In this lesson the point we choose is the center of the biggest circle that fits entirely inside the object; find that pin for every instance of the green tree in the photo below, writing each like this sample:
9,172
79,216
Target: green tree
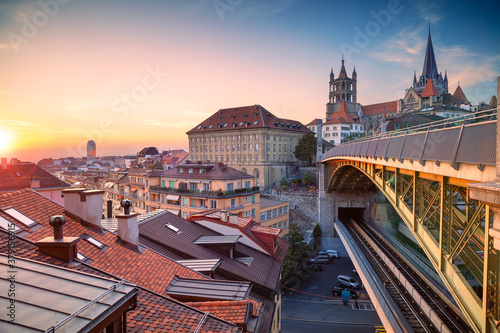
317,232
156,165
283,182
307,180
297,252
305,150
353,136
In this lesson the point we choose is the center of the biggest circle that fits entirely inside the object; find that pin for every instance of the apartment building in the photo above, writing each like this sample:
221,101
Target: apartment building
195,187
250,139
274,214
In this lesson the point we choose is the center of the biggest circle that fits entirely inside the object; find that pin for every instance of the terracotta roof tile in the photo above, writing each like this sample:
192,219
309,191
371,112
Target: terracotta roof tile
459,95
430,90
251,117
153,311
375,109
18,176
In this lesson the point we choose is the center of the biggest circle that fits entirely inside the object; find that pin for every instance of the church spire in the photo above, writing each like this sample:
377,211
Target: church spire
430,67
343,73
445,76
414,79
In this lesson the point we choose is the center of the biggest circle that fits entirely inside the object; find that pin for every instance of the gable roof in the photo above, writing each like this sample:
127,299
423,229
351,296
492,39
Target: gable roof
264,270
378,108
459,95
251,117
341,116
211,171
19,176
429,90
153,310
148,151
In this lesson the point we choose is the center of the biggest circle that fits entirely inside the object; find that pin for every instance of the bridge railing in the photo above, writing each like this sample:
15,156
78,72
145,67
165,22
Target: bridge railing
465,139
476,117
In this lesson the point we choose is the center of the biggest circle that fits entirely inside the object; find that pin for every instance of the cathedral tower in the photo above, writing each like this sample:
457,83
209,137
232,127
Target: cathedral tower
430,71
342,88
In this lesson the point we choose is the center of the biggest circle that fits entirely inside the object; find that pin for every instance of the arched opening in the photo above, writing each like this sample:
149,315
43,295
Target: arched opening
256,174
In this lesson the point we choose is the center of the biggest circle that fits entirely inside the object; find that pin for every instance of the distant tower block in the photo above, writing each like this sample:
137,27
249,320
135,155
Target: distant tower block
91,149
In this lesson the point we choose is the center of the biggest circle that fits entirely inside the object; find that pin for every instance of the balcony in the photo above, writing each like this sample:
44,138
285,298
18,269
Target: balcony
205,194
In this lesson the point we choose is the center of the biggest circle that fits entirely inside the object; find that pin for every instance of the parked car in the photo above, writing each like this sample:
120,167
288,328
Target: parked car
310,266
347,281
337,291
330,253
321,259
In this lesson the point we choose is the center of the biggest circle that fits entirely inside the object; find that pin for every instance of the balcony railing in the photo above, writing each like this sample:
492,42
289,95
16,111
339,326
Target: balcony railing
236,192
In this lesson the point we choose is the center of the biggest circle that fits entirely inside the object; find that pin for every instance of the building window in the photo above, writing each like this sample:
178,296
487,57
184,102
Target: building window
256,147
249,146
185,201
163,183
171,184
253,212
247,184
230,187
206,187
262,217
163,198
193,186
213,204
233,202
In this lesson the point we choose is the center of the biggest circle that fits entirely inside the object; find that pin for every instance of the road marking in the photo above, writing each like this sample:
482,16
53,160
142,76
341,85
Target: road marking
363,306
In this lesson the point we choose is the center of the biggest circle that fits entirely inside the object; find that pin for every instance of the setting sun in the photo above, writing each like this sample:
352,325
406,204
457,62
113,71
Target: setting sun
5,139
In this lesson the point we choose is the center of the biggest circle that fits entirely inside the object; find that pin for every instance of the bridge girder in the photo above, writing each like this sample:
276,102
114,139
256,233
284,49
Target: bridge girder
451,228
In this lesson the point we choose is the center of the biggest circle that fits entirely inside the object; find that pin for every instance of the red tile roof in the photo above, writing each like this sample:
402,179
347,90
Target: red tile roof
149,269
233,311
18,176
378,109
153,313
459,94
429,90
212,171
251,117
341,116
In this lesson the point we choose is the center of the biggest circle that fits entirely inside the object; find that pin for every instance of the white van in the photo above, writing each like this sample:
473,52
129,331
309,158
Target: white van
347,281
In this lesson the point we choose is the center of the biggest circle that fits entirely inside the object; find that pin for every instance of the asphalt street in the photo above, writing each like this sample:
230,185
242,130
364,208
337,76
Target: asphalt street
308,305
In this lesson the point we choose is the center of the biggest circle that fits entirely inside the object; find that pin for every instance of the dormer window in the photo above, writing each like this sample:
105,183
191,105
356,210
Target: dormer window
181,170
190,170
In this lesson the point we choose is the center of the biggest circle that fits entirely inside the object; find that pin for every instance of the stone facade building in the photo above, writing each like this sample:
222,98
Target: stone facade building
250,139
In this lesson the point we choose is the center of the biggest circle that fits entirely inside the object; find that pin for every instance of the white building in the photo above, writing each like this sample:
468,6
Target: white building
338,126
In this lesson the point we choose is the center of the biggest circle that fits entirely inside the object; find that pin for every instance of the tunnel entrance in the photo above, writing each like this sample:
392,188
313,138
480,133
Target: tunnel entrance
345,213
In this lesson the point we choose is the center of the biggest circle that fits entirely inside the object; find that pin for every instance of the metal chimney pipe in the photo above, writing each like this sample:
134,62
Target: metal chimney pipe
109,208
57,222
126,206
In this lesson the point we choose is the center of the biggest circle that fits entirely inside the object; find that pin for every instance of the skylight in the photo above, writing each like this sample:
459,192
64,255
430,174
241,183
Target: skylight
171,227
4,223
20,217
210,126
256,122
225,125
93,241
81,256
241,124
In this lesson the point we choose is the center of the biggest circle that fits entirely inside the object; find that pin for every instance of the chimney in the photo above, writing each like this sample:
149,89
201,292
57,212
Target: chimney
233,218
128,230
223,215
35,183
59,246
4,163
84,206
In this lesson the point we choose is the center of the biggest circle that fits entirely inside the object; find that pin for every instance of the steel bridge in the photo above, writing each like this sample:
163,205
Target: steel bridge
440,178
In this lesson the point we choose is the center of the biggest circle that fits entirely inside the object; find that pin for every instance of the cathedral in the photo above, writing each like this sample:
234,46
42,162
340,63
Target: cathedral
343,88
431,88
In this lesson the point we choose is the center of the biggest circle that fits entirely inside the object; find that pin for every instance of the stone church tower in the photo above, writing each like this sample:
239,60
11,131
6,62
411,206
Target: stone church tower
343,88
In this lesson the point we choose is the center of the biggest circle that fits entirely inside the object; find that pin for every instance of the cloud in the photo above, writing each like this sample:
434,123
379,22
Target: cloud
430,11
405,48
266,8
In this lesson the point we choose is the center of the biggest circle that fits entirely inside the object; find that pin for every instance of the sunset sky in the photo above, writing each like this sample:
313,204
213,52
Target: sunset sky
130,74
